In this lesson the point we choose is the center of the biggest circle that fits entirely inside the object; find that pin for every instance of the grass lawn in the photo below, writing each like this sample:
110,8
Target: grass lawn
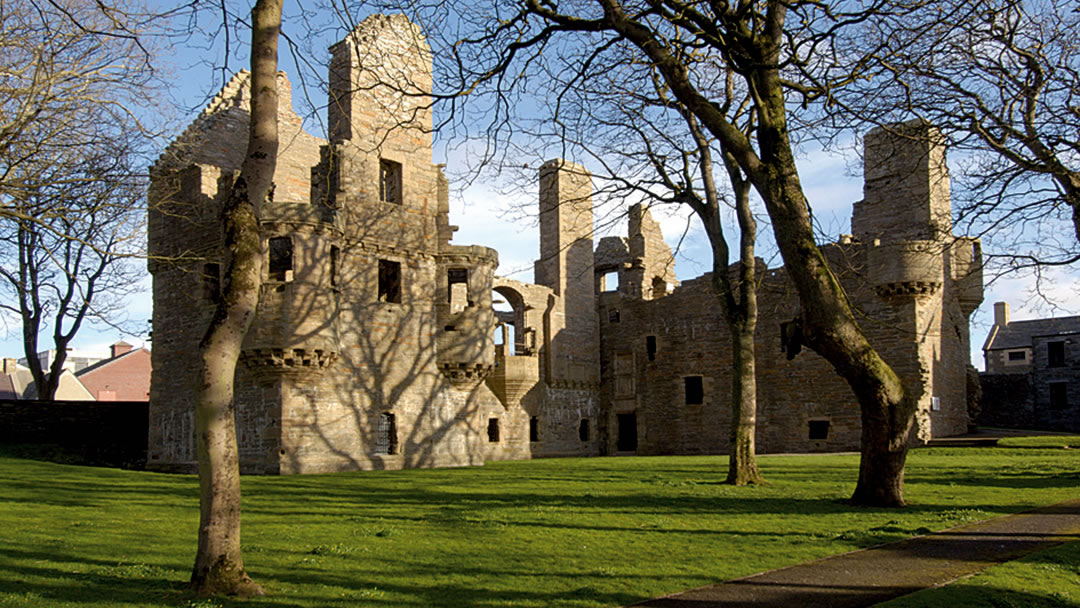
566,532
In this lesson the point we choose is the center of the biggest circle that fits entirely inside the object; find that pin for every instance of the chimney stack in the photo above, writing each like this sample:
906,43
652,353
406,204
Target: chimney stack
9,366
1001,314
120,348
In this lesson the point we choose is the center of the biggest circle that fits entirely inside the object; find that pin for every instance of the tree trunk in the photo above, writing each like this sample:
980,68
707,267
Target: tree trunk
219,565
742,459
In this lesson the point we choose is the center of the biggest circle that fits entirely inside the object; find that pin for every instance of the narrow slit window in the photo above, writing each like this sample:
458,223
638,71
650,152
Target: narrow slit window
534,429
386,434
281,258
390,281
695,390
493,430
389,181
335,264
613,315
650,347
583,429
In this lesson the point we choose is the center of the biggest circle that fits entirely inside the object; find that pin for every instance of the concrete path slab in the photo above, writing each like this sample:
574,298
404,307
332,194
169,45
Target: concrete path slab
868,576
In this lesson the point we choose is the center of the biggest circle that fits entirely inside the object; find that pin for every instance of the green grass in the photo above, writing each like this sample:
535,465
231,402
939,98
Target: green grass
566,532
1047,579
1041,442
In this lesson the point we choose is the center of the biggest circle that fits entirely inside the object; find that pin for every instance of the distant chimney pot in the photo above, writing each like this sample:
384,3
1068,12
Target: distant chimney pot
1001,314
120,348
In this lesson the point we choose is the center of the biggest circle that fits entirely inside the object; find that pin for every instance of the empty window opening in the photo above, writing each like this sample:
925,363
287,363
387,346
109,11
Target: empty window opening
335,264
457,282
935,404
1055,354
504,337
695,390
613,315
819,430
386,434
534,429
493,430
1059,399
610,281
389,181
583,429
627,441
1017,355
281,258
650,347
659,287
390,281
211,280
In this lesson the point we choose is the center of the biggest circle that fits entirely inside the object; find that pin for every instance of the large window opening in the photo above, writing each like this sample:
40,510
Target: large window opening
280,266
390,281
1055,354
610,281
457,284
386,434
695,390
389,181
819,430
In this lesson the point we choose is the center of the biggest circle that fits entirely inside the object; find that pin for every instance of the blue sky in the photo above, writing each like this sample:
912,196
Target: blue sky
507,222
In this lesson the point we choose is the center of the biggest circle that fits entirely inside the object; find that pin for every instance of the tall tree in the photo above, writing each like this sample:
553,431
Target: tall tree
779,51
71,150
219,564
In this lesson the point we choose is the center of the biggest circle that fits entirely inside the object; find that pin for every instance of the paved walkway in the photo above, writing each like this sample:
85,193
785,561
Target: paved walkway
868,576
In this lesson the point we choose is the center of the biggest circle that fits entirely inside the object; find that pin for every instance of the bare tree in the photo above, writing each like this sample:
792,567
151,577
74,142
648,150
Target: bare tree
219,565
71,151
1001,80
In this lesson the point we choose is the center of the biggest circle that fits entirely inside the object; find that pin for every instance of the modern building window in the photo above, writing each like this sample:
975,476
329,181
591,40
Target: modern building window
1059,398
819,430
386,434
281,258
1017,355
534,429
389,181
695,390
1055,354
583,429
390,281
650,347
493,430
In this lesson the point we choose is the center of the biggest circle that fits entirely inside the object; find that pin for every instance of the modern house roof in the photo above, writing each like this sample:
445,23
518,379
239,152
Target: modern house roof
1019,334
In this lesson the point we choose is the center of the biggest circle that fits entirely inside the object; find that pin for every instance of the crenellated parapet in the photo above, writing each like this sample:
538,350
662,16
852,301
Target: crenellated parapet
906,268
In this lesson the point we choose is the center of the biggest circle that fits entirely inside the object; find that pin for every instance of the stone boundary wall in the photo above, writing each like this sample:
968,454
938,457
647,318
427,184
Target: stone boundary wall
106,433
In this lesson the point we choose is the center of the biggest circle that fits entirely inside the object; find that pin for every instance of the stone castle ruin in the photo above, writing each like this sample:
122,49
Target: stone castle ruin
373,346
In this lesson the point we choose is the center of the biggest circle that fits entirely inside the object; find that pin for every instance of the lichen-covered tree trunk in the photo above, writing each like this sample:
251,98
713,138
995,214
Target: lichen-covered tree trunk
219,565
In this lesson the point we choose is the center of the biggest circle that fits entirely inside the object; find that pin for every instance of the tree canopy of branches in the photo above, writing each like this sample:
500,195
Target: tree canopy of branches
781,53
1001,79
71,149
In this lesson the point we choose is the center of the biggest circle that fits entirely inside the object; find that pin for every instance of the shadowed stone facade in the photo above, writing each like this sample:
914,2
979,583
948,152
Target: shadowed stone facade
373,343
